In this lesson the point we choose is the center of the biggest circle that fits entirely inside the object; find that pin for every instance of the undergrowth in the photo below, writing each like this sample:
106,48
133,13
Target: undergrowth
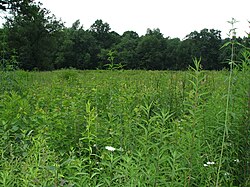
131,128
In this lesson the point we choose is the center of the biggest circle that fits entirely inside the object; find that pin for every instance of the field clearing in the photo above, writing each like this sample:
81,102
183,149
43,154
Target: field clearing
124,128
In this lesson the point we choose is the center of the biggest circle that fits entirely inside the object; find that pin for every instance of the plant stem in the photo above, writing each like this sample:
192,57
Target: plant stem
227,111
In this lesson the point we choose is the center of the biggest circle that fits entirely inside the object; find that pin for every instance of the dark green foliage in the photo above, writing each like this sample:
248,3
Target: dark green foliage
79,49
101,32
126,50
150,51
206,44
34,35
8,57
38,41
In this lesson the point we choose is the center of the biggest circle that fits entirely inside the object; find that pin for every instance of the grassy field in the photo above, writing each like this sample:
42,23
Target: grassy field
124,128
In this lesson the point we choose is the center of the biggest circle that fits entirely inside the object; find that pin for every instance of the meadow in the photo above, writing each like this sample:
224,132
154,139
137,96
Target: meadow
125,128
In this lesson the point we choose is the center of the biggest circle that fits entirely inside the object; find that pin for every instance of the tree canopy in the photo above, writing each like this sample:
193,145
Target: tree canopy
36,39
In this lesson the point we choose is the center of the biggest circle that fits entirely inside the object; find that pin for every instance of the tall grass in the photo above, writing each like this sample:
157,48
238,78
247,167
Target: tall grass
125,128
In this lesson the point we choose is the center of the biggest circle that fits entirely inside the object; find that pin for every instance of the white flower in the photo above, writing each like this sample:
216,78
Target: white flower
237,160
109,148
210,163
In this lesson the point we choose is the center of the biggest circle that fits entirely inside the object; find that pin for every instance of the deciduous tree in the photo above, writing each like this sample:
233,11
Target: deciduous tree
33,32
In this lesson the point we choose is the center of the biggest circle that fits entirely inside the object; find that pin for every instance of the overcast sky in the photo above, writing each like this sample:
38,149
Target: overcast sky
174,18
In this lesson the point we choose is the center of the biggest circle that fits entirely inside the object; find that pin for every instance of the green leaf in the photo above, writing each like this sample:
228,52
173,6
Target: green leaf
15,128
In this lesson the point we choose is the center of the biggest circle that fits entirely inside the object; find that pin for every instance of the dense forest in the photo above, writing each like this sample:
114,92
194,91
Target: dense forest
32,38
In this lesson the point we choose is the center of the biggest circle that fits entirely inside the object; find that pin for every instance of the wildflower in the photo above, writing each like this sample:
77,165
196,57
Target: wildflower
237,160
109,148
210,163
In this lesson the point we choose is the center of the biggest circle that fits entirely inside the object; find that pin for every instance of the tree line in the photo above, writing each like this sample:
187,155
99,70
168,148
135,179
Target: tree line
34,39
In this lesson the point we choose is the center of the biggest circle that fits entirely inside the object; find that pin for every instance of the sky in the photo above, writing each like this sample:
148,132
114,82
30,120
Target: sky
174,18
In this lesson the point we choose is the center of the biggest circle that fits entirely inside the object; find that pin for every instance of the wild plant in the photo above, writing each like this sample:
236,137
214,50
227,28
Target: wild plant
40,163
241,108
232,117
193,130
88,142
69,75
112,65
227,109
130,128
245,61
7,172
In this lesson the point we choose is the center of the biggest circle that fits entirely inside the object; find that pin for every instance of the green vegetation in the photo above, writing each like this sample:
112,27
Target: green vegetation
118,127
124,128
34,39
